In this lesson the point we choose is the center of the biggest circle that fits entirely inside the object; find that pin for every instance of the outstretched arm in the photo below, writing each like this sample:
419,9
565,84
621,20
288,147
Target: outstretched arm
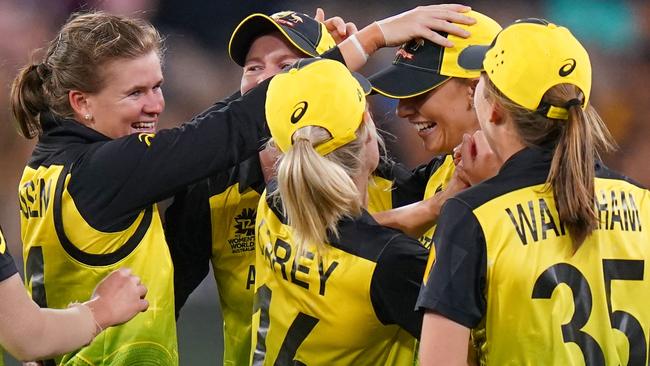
421,22
29,332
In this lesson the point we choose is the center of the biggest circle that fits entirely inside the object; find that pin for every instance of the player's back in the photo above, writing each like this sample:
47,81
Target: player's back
326,309
560,305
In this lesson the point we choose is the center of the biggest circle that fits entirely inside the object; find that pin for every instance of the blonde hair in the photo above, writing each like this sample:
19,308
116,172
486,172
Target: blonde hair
74,61
318,191
576,142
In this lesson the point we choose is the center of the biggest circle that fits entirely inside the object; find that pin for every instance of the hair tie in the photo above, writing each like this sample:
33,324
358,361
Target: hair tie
572,102
43,70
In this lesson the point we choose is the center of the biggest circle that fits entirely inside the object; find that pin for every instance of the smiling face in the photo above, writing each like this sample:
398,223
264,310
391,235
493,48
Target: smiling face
442,115
131,99
267,56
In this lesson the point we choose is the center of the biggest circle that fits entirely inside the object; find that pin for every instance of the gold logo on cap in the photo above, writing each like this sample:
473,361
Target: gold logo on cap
287,18
299,111
568,67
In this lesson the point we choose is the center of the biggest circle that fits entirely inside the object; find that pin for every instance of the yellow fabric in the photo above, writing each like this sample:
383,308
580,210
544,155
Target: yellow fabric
304,96
481,33
523,302
150,335
529,58
233,261
301,301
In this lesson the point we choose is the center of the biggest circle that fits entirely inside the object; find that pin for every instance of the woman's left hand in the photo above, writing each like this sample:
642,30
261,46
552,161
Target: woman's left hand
475,160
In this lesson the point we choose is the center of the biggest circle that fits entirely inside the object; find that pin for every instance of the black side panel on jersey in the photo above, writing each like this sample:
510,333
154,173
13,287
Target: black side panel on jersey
188,231
87,258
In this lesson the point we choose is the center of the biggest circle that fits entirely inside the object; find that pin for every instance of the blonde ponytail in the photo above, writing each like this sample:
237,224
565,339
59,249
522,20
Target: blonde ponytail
318,191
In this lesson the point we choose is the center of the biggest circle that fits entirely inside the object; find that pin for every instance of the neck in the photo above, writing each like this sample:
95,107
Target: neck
506,143
361,181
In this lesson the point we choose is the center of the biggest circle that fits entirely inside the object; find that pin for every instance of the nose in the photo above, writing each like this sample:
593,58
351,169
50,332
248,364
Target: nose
405,108
155,103
269,71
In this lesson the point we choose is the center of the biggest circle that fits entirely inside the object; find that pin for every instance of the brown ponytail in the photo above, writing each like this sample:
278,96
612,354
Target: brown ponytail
576,140
28,100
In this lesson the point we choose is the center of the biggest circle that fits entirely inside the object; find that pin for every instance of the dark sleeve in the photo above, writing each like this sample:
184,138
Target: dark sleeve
7,265
114,179
396,283
422,173
456,283
188,230
335,54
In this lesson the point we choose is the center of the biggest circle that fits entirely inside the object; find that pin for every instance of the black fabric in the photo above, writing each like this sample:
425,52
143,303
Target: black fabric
113,180
396,283
456,283
7,265
188,224
188,231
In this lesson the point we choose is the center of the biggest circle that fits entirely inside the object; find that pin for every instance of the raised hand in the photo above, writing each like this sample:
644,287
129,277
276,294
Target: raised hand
426,22
336,26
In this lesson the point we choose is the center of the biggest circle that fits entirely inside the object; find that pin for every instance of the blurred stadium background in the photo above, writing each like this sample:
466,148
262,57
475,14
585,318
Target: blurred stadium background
198,71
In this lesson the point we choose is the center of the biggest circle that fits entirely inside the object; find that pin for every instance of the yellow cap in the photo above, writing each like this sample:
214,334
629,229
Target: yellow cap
528,58
316,92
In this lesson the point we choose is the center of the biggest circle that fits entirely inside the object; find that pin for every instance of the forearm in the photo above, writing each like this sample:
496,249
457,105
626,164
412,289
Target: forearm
414,219
368,41
29,332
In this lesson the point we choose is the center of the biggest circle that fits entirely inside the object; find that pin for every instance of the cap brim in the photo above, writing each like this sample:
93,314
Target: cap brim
400,82
365,83
256,25
471,58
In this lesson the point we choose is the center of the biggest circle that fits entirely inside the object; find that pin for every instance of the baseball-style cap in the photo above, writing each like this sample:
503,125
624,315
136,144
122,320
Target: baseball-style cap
304,32
316,92
421,65
528,58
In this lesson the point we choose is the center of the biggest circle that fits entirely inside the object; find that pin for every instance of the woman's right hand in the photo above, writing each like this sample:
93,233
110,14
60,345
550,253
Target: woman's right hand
118,298
426,22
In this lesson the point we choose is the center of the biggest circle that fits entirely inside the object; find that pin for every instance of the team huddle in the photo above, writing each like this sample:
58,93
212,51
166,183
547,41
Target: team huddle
513,245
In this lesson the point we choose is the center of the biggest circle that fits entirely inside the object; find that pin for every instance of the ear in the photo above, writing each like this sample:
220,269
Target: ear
80,105
497,114
470,85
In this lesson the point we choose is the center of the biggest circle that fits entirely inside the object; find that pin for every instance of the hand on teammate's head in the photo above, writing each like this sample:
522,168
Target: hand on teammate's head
338,28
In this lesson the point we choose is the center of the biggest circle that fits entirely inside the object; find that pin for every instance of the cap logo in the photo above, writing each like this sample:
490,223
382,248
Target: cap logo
289,19
299,111
568,67
402,52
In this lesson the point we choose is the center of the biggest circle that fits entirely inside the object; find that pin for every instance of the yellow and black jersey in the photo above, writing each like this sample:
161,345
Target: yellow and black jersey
393,185
506,268
214,221
345,307
7,265
87,207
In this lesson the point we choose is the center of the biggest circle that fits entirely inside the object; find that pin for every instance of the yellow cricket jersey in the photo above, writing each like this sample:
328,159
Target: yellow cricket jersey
7,269
343,308
214,221
506,268
87,206
65,258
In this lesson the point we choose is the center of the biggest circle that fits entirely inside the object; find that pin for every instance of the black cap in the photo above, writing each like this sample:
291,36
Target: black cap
304,32
415,71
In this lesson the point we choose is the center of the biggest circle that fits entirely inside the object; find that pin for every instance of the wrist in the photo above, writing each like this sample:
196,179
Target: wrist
97,313
371,38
